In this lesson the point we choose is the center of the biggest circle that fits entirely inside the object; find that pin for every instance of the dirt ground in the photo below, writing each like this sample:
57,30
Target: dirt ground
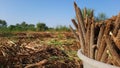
39,50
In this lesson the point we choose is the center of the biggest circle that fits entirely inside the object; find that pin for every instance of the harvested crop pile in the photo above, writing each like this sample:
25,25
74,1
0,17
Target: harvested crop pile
15,55
98,40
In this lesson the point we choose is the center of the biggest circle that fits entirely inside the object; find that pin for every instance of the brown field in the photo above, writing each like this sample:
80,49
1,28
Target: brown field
39,50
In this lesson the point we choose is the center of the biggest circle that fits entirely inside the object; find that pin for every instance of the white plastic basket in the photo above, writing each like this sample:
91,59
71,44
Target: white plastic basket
90,63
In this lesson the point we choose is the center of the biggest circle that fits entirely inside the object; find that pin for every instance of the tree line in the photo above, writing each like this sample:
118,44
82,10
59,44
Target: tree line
29,27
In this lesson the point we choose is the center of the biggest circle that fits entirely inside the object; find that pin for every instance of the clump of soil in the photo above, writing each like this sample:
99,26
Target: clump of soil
14,55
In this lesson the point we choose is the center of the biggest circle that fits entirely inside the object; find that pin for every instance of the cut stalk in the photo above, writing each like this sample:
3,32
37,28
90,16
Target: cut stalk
117,25
74,33
75,23
80,19
81,28
92,40
87,40
113,52
102,46
85,12
101,32
116,40
104,56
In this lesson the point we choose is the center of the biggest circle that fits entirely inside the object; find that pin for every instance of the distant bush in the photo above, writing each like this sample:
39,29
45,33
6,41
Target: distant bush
22,27
62,28
41,27
4,32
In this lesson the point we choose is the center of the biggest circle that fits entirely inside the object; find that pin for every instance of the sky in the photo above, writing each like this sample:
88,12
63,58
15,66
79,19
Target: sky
52,12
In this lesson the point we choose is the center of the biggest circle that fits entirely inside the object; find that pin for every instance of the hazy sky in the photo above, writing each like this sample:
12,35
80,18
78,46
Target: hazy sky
52,12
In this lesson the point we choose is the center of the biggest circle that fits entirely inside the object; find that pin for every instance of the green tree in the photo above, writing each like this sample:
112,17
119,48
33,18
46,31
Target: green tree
41,27
17,27
11,27
3,23
3,26
24,26
87,12
101,17
31,27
